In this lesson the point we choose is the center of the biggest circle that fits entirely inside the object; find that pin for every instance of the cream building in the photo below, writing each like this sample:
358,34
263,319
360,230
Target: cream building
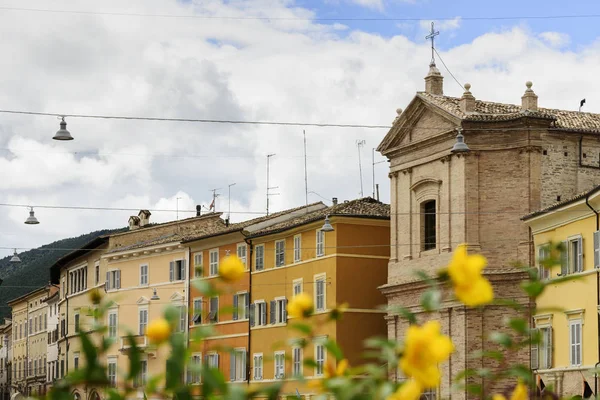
52,341
5,359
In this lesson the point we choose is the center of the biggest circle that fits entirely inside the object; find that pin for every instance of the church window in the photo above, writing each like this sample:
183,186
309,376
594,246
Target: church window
428,223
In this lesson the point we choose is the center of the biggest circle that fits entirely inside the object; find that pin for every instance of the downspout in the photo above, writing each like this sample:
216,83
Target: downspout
597,288
249,356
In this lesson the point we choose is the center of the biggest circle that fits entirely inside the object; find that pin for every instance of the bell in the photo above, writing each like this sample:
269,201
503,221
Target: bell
327,226
460,146
63,133
15,258
32,220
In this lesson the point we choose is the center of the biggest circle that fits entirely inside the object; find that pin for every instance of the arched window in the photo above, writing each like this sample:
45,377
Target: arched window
428,225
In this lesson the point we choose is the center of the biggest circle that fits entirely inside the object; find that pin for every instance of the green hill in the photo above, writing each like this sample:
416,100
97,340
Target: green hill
34,269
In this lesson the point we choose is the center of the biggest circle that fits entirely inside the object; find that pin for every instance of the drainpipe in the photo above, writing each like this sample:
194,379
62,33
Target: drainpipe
249,355
597,293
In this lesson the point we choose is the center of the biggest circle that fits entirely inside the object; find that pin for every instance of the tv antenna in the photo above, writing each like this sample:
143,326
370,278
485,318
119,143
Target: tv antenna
213,205
229,200
269,188
359,144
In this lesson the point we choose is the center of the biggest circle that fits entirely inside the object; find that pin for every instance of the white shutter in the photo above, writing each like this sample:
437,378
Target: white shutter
172,271
597,249
107,280
535,351
118,279
549,348
580,255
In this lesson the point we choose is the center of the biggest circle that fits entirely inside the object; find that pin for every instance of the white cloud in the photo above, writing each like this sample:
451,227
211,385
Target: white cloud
288,70
374,4
556,39
442,25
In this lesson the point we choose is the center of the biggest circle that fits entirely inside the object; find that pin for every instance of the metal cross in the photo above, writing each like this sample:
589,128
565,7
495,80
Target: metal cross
432,36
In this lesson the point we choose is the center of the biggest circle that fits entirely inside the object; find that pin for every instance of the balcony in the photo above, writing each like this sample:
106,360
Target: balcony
141,342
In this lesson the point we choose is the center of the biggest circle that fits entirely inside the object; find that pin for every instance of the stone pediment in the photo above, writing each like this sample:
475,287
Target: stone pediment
177,297
420,121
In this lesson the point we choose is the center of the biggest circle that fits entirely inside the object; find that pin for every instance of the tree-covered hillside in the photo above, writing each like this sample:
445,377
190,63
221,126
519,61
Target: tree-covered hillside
34,269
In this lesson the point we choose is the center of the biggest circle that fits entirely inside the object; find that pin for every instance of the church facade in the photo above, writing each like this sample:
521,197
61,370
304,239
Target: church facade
522,158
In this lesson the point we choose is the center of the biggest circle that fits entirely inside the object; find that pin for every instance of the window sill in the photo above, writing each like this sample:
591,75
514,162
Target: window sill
428,252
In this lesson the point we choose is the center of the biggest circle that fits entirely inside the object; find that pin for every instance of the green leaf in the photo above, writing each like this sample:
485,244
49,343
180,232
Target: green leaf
301,327
501,338
430,299
522,372
334,349
533,288
135,364
519,325
205,287
404,313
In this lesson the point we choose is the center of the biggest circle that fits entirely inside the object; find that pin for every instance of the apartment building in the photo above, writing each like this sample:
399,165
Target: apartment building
568,316
52,366
5,359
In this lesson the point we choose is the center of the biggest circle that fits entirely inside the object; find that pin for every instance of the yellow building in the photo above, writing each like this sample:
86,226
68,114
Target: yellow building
29,316
345,265
568,311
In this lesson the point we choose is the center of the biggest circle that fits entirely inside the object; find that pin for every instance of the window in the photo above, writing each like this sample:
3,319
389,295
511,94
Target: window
112,324
76,361
261,313
198,264
97,274
543,255
78,280
597,249
428,222
143,320
76,316
113,279
240,306
259,261
297,248
212,360
258,366
214,262
237,370
319,359
279,365
320,243
575,342
320,292
140,380
213,310
194,370
572,256
278,311
182,315
297,361
541,352
428,394
144,275
241,252
280,253
35,324
297,287
177,270
112,372
197,317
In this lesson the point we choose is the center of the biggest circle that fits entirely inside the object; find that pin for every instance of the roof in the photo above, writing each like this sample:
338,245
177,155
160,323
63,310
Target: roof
560,204
153,225
490,111
22,297
67,258
366,207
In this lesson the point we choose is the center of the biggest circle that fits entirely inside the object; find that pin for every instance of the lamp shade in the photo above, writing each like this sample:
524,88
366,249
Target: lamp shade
32,220
460,146
15,258
63,133
327,225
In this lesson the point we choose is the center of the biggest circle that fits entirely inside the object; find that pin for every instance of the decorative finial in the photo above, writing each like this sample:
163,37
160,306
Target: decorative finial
431,37
467,87
529,84
398,111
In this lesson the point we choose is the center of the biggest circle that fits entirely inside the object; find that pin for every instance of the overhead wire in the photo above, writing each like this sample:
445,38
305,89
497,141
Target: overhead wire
448,69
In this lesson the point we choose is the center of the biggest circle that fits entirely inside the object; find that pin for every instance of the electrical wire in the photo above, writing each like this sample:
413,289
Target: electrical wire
272,18
448,69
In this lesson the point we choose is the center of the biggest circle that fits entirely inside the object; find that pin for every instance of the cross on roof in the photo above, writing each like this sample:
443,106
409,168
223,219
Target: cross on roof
432,36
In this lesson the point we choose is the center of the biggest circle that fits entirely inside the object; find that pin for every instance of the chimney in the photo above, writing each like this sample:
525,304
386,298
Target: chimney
198,210
434,81
144,216
467,101
334,201
134,223
529,101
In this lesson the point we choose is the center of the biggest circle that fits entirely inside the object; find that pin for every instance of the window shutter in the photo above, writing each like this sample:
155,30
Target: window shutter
272,306
183,269
284,310
107,280
535,351
264,314
596,249
580,255
564,258
244,370
118,283
246,304
217,357
232,366
235,307
549,348
172,271
251,314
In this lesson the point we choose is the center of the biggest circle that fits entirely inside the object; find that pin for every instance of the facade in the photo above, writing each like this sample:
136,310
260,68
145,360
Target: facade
30,321
5,359
522,158
346,265
52,365
568,316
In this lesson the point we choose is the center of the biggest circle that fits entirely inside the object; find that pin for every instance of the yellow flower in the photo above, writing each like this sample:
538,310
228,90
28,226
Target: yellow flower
520,393
331,372
231,269
300,306
158,331
410,390
470,286
424,348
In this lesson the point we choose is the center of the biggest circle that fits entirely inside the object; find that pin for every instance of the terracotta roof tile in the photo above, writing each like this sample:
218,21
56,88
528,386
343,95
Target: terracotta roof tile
559,204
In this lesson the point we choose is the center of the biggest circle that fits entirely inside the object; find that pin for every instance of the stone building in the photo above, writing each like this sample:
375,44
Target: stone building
5,358
522,158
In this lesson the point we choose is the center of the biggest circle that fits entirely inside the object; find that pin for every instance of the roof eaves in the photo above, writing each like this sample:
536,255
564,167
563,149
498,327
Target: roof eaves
560,204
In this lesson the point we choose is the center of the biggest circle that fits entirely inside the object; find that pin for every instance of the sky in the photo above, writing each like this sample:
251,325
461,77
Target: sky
308,61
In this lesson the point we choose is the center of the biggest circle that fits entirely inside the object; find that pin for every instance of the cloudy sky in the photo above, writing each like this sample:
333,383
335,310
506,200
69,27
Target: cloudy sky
311,62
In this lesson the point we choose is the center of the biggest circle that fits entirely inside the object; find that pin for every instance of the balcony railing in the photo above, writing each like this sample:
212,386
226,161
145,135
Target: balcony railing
141,341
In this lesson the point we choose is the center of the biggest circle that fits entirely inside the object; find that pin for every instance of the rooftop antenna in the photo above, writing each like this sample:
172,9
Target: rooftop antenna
581,103
229,200
305,170
177,208
359,144
268,176
432,34
213,205
375,186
